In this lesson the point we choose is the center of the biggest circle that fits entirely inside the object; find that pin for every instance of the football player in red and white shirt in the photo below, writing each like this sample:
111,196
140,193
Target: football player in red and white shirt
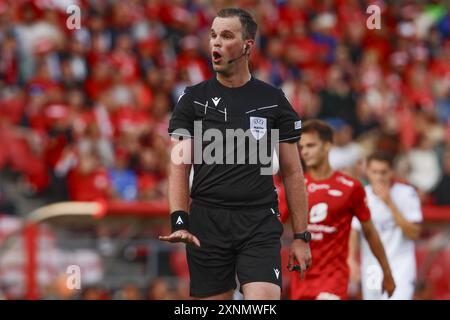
333,199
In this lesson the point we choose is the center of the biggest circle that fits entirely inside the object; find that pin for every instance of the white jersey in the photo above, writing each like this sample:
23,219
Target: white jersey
399,249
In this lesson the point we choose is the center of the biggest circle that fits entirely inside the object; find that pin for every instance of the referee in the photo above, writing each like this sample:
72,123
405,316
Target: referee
231,226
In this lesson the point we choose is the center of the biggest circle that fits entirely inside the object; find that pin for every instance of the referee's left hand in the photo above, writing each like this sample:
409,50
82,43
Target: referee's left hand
181,236
301,252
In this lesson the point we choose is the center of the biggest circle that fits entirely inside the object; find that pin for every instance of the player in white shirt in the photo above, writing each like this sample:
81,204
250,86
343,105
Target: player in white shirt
396,213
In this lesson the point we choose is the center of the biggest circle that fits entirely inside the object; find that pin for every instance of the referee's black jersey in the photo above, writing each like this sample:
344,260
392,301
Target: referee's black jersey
256,108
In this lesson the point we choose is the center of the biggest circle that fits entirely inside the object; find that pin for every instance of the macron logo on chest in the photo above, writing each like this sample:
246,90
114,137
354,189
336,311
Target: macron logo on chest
216,100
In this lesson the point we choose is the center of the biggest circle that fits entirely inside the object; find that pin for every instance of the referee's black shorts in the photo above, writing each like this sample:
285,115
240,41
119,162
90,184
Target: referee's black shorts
233,242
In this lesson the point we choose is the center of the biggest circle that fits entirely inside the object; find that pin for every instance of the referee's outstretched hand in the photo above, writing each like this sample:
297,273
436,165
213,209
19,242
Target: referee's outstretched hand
181,236
300,252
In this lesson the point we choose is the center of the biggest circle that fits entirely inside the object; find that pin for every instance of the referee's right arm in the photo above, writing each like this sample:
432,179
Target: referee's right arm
181,131
179,171
181,159
289,126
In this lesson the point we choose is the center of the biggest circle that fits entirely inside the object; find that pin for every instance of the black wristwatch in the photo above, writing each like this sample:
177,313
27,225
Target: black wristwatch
305,236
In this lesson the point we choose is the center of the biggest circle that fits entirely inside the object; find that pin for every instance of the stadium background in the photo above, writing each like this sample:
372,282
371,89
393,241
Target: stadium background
84,115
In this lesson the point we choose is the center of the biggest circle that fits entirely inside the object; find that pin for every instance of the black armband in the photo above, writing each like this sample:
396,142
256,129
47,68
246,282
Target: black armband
179,220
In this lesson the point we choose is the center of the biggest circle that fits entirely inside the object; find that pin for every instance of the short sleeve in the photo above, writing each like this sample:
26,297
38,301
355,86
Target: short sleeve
413,208
288,122
181,123
356,225
359,200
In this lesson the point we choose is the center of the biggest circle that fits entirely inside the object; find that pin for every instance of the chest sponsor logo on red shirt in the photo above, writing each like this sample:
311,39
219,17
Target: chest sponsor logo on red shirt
313,187
345,181
317,214
335,193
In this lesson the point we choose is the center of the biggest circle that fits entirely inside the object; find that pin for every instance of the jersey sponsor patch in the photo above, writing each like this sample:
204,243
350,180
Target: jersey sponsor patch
313,187
318,212
258,127
335,193
345,181
298,125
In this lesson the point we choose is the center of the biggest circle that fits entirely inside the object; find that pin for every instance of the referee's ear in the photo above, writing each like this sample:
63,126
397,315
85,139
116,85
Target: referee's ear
248,46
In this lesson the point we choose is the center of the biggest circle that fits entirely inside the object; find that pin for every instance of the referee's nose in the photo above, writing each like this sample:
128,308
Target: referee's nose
215,44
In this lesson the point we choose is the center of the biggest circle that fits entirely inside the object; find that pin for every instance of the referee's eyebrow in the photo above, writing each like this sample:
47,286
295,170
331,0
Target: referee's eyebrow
226,32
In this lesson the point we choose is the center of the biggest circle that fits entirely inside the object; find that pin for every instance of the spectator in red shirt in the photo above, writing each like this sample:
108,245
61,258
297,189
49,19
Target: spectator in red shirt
8,61
123,60
149,177
188,59
99,81
89,181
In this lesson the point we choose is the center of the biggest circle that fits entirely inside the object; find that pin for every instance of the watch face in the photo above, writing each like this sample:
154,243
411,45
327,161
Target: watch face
307,236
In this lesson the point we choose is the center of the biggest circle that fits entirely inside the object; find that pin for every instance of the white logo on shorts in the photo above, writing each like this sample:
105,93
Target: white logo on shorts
277,273
327,296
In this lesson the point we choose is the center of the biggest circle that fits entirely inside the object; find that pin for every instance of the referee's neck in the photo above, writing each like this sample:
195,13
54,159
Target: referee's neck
234,80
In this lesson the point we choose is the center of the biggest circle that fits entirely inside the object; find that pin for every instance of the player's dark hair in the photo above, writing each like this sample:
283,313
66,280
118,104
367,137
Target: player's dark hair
249,25
381,156
323,129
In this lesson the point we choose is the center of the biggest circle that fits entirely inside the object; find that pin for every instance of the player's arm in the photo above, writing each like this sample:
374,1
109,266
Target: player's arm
410,229
352,261
297,201
178,193
376,246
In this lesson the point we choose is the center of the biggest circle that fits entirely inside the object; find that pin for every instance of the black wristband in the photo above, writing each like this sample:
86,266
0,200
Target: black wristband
179,220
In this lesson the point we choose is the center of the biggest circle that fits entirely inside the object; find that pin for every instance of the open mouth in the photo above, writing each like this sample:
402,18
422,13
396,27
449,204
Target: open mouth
216,57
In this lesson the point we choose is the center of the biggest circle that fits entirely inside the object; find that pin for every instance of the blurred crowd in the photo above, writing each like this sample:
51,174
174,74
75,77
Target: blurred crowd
159,289
84,112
